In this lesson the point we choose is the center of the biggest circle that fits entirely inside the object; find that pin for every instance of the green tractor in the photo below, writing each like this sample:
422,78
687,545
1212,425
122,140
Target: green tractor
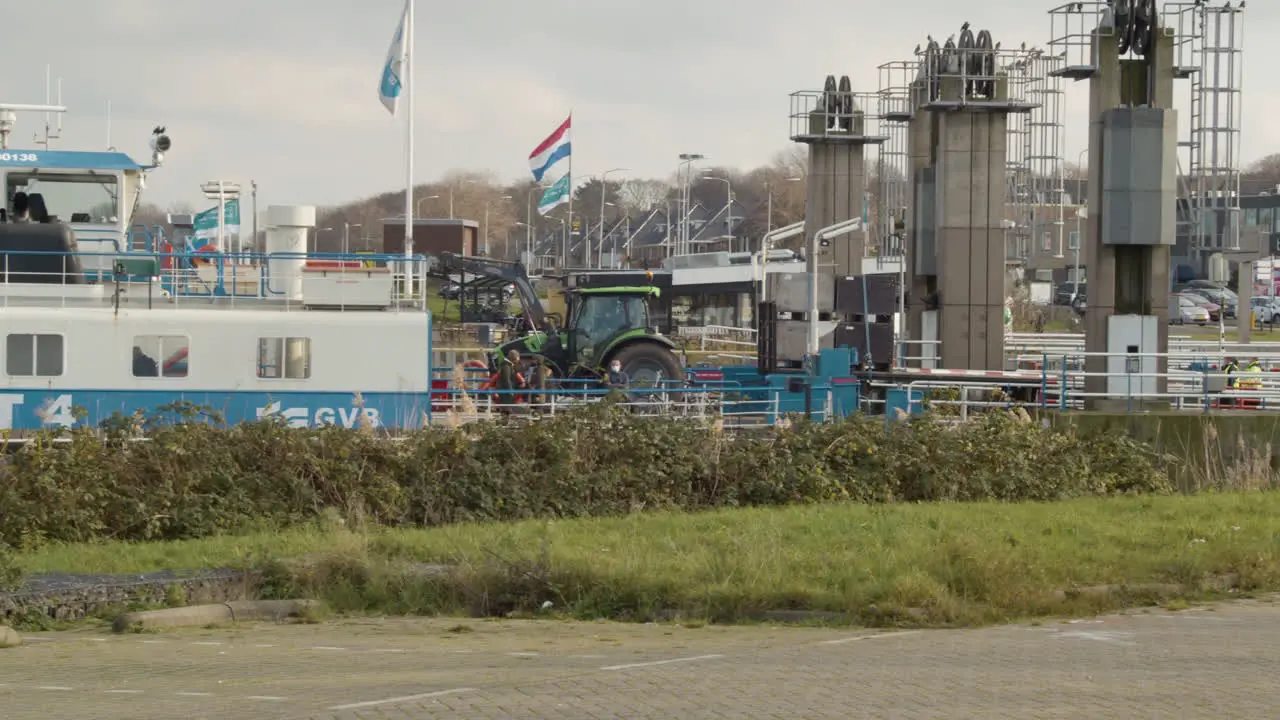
601,325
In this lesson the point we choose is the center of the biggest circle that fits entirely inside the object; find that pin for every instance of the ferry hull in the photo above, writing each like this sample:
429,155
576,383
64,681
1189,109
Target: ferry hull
44,409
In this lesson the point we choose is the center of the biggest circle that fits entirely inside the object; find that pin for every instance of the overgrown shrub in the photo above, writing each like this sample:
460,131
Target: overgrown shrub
10,572
194,479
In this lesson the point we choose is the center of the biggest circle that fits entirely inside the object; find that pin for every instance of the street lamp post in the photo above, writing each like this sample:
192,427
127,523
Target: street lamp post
528,223
769,210
315,245
604,192
528,238
486,222
346,237
417,206
684,174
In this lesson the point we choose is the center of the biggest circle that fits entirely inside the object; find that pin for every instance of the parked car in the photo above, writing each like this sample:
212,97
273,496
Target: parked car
452,290
1183,310
1265,310
1213,308
1201,284
1227,299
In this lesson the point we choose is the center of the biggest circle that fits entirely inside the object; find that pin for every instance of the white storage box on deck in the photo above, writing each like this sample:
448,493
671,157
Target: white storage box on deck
346,287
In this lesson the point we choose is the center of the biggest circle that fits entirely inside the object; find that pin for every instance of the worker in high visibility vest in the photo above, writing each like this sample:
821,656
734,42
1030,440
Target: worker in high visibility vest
1231,368
1251,378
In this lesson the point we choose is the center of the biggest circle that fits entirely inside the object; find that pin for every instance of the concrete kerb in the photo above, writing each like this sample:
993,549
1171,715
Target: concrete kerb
9,637
214,614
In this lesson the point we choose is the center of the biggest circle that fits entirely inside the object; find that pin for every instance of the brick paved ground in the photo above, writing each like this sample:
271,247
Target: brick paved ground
1203,663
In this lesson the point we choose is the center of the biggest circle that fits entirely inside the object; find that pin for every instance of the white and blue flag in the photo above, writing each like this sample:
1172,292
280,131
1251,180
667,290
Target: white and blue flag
555,195
391,85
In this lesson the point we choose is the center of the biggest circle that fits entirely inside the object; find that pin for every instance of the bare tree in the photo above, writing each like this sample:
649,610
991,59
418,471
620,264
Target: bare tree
1264,173
642,195
770,196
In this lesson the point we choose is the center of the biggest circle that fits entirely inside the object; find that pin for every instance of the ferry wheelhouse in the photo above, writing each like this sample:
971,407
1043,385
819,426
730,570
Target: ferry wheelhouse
107,317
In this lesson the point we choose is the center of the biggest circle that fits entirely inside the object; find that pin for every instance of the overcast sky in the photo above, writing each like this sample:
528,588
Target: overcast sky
284,91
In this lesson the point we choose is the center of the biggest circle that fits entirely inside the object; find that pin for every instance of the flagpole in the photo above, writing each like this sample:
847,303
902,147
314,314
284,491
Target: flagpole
408,187
569,241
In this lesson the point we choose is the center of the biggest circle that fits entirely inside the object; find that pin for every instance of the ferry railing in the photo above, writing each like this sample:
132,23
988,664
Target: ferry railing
36,274
669,400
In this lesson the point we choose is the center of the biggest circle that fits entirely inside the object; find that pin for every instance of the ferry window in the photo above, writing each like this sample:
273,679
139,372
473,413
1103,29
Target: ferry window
161,356
284,358
28,355
70,197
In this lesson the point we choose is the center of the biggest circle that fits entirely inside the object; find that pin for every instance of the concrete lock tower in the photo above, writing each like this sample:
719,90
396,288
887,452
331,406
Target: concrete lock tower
960,99
837,127
1131,217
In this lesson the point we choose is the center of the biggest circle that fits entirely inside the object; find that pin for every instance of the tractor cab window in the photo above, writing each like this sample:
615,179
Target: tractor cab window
601,317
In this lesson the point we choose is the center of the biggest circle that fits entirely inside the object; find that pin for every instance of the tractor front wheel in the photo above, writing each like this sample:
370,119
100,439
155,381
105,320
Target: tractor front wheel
647,364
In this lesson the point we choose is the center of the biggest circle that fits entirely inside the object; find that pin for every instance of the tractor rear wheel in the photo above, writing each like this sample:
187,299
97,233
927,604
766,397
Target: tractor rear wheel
647,364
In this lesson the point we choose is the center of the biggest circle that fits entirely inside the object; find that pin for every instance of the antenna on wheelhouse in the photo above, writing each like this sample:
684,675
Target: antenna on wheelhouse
9,117
50,133
110,147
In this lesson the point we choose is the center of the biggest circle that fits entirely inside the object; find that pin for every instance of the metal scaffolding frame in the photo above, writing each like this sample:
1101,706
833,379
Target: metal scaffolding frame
1047,140
1019,194
1210,47
892,188
893,173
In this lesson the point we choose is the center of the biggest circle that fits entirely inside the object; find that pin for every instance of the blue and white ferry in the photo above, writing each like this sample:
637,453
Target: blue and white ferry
106,316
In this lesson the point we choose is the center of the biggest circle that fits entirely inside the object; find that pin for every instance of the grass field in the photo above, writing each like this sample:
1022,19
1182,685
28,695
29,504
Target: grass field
909,564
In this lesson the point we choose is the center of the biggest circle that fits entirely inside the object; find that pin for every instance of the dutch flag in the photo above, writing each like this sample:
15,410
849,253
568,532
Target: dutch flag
546,161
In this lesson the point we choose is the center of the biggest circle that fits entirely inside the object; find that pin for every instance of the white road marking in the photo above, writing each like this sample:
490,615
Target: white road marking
124,692
326,647
389,650
264,646
877,636
271,698
97,639
52,687
652,663
210,644
153,642
523,654
194,694
1114,638
401,699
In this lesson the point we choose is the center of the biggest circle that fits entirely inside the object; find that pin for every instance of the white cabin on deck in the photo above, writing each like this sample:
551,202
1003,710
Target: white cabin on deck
184,350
